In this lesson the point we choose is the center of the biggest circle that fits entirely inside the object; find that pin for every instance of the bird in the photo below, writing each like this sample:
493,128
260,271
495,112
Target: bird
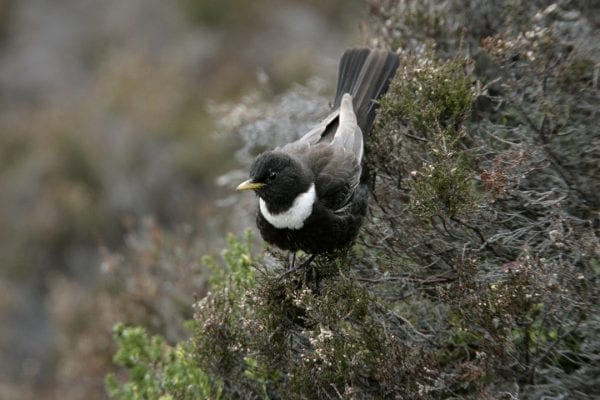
313,192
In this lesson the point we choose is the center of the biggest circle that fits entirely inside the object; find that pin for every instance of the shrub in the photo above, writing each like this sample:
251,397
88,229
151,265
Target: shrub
476,275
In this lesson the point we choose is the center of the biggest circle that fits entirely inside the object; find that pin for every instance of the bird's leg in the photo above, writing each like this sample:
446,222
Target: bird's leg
307,262
296,268
293,263
317,277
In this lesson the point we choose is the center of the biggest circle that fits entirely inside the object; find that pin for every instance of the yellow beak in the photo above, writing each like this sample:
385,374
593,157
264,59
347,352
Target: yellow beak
249,185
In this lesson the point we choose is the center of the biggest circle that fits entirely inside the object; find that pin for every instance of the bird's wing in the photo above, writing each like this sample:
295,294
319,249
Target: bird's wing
336,172
321,131
335,163
337,178
348,137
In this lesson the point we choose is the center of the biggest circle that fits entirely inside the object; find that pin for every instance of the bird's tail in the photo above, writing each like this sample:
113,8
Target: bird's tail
366,75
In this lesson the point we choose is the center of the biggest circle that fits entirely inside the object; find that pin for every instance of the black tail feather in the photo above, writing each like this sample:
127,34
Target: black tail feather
366,75
350,67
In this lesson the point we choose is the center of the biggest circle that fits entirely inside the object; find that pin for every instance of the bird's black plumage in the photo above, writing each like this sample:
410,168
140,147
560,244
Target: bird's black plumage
313,192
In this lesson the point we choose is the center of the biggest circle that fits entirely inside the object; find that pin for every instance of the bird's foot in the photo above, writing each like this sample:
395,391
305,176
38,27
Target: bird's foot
293,262
295,268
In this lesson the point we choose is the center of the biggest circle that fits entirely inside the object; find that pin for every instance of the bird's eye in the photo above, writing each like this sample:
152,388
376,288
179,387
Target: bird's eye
272,175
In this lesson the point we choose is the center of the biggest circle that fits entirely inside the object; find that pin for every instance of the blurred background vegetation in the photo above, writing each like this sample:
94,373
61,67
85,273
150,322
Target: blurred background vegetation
110,152
126,124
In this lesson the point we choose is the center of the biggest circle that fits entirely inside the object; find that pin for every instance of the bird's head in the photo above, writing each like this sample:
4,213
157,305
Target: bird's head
278,179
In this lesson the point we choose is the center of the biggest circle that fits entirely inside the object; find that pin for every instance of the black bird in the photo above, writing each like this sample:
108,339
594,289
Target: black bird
313,192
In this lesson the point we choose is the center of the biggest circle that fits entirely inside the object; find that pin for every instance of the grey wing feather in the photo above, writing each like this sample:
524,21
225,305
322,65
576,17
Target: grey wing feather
297,149
348,136
339,178
336,172
335,162
318,132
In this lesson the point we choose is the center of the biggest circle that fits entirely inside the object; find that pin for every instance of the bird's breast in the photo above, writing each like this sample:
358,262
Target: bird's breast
295,216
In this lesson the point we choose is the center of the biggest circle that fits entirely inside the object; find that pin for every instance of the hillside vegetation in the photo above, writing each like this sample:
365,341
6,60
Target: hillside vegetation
477,273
